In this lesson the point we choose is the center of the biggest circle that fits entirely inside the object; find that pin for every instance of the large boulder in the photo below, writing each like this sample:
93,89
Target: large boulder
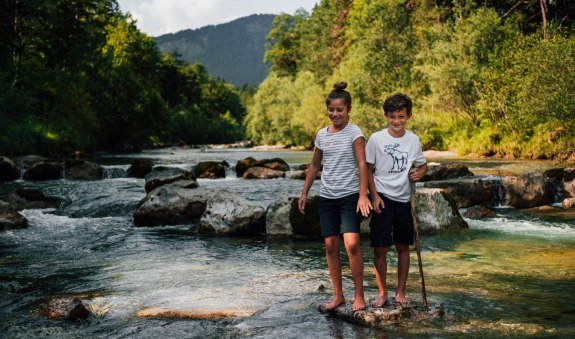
527,190
569,183
283,218
210,169
9,218
302,174
446,172
64,309
42,171
29,198
469,192
276,164
83,170
166,175
8,170
180,202
139,168
262,173
436,211
230,214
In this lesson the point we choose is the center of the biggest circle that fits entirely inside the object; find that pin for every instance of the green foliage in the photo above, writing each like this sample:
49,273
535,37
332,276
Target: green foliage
487,77
80,76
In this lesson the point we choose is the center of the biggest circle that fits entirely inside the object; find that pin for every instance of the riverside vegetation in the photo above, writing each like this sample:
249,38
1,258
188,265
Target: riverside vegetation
487,77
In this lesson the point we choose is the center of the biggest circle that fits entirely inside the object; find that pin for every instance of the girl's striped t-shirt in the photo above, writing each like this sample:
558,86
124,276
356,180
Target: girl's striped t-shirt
339,176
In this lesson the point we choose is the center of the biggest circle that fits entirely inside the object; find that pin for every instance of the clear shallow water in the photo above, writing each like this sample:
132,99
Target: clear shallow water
513,275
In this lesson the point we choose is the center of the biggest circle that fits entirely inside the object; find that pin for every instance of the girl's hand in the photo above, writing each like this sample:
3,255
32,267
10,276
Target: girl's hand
363,206
301,203
378,204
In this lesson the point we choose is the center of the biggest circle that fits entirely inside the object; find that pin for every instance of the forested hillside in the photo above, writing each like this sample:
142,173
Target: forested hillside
79,75
233,51
492,77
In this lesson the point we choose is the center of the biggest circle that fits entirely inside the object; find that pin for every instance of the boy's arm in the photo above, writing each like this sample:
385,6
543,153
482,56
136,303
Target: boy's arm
312,171
363,204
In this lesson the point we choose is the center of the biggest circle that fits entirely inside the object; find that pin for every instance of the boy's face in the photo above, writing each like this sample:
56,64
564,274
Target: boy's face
338,112
397,121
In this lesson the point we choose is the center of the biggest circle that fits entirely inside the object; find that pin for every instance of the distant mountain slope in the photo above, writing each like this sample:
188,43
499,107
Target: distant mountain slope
233,51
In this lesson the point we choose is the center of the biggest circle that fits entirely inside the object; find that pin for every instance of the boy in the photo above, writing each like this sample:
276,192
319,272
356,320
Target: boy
392,152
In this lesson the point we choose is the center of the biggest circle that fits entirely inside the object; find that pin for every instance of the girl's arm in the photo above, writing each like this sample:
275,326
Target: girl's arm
312,170
363,204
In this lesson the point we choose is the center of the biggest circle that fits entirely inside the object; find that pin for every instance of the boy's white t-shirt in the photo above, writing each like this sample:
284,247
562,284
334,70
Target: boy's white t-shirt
339,176
392,159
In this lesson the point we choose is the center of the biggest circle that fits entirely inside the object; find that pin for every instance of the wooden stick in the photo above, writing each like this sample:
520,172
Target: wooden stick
417,248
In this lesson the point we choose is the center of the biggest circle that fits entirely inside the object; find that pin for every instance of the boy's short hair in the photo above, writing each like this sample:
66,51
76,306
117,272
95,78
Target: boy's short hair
396,102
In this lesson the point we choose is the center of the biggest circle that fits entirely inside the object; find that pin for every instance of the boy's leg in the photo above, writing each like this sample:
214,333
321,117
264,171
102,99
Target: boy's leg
380,264
402,272
353,248
334,267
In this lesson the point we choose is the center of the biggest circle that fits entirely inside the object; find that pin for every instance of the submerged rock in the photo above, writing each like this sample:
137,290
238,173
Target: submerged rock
83,170
139,168
527,190
10,218
446,172
64,309
210,169
382,317
8,170
42,171
479,212
229,214
166,175
29,198
568,203
195,313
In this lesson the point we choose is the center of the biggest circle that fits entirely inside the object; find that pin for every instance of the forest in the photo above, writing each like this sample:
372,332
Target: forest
79,76
488,77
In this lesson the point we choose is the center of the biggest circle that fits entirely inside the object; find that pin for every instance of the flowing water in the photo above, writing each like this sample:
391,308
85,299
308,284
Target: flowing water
513,275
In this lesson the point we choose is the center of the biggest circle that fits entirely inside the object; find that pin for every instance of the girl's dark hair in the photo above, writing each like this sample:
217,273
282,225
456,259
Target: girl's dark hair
397,102
339,92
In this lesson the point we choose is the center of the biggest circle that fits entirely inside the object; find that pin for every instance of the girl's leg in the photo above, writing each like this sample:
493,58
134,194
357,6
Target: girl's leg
402,272
353,248
380,263
334,267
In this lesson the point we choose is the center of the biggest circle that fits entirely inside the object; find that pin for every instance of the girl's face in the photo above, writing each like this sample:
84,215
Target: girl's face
338,112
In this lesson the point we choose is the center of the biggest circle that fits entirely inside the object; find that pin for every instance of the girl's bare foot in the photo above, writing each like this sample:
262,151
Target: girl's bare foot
358,304
335,303
380,301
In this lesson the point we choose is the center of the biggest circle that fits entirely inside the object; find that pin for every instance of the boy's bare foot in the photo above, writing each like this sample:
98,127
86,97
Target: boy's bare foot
335,303
400,298
380,301
358,304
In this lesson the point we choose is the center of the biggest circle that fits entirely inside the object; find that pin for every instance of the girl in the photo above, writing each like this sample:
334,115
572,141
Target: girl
343,192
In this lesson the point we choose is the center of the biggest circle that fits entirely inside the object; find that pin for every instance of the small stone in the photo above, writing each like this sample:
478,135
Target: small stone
64,309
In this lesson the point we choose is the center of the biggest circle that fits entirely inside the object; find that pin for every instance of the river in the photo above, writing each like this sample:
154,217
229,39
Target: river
513,275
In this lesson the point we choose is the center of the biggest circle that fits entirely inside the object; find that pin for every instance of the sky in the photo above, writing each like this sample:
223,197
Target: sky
157,17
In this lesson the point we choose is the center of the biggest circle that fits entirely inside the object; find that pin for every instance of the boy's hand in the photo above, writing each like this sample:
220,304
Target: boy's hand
363,205
301,203
415,174
378,204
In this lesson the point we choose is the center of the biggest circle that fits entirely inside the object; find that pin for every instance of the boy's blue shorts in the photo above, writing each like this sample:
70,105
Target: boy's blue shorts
394,225
338,216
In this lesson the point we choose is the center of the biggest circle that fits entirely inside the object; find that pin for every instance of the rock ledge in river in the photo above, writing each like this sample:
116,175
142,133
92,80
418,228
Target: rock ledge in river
194,313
